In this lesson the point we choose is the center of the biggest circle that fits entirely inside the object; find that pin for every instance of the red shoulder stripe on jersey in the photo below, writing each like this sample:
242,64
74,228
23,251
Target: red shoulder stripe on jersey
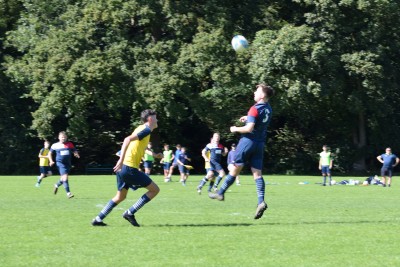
253,112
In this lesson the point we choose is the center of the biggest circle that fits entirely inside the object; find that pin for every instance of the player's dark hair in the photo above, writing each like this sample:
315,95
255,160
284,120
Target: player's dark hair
146,114
268,90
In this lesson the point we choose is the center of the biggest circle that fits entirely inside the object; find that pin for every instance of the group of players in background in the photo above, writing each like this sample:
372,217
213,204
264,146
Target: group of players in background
136,147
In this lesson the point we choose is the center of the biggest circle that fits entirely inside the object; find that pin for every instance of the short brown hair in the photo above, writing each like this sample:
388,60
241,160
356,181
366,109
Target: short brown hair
146,114
268,90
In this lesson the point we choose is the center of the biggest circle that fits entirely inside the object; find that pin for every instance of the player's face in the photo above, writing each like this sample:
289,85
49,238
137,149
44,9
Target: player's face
388,151
153,121
216,138
259,94
46,144
62,138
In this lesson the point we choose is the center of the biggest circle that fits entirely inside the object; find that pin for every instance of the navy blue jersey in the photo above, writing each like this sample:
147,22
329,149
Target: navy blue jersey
259,114
388,160
182,158
64,152
216,151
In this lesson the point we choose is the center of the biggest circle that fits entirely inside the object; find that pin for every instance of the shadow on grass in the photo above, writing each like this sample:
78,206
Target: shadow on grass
264,223
203,225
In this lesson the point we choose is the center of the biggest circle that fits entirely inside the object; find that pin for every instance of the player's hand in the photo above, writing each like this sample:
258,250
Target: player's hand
320,168
76,155
118,166
226,150
52,163
243,119
233,129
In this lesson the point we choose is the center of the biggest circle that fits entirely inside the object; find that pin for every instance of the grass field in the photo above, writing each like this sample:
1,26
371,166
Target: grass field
306,225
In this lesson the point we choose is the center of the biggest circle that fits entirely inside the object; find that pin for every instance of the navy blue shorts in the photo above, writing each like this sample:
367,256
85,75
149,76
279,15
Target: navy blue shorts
182,169
249,151
215,166
385,171
45,169
148,164
63,169
325,169
129,177
167,165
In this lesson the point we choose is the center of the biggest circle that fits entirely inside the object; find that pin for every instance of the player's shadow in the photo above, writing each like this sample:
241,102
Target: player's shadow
203,225
267,223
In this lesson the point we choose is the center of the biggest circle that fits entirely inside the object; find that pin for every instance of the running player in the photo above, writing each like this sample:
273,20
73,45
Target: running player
64,151
167,159
127,171
216,152
44,163
174,163
230,161
183,159
251,146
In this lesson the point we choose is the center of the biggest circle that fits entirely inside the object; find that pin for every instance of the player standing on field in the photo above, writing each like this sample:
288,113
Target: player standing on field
251,146
216,152
325,164
127,171
64,151
389,161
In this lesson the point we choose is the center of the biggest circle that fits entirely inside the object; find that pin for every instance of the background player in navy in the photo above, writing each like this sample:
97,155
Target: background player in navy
183,159
174,163
389,161
230,161
216,151
251,146
64,151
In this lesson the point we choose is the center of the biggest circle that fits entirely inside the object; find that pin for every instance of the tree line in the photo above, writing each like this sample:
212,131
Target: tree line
90,68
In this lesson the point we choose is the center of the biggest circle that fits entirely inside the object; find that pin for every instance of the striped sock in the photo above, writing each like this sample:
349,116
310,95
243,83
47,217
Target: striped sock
260,184
219,178
229,180
139,204
66,186
203,182
210,186
106,210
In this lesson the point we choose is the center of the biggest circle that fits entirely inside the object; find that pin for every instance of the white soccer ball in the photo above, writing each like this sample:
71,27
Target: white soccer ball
239,43
333,182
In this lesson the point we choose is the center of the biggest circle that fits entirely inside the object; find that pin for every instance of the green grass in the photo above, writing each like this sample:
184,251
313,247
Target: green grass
306,225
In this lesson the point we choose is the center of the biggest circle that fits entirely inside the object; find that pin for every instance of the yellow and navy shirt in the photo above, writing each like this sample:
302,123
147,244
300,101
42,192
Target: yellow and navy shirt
135,150
44,161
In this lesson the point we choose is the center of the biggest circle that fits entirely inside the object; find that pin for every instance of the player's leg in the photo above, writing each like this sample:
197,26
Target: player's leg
41,176
389,180
260,187
329,173
323,176
152,191
64,171
243,152
221,174
61,171
383,174
118,198
209,175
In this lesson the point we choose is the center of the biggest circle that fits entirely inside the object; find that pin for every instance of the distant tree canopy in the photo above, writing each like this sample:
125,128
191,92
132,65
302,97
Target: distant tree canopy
90,67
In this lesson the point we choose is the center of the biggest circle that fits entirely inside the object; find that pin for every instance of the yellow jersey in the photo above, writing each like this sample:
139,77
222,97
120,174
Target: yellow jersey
135,150
44,162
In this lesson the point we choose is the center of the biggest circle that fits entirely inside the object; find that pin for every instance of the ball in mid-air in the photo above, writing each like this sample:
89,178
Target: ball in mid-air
239,43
